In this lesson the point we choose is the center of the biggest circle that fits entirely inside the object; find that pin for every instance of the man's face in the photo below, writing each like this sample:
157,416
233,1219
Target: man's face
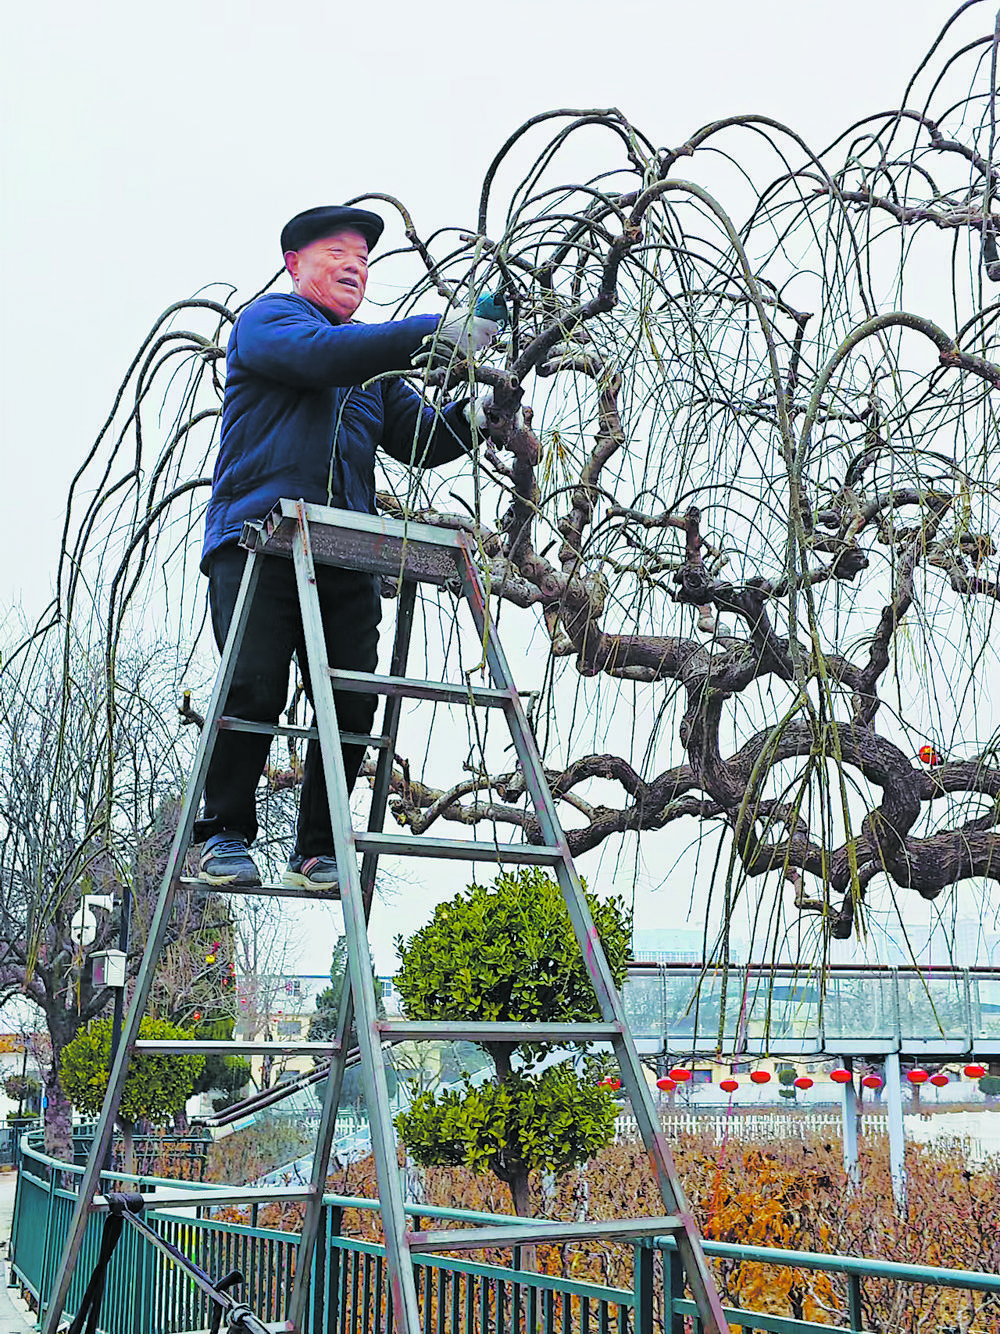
332,271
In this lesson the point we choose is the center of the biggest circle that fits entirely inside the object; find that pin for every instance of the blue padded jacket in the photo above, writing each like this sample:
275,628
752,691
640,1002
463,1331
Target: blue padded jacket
298,420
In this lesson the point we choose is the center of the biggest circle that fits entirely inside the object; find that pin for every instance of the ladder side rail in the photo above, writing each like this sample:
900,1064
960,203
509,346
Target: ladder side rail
312,1220
312,1217
104,1133
359,965
608,998
390,730
609,1001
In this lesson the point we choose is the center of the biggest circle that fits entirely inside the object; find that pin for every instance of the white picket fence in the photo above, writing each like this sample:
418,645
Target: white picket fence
978,1133
746,1125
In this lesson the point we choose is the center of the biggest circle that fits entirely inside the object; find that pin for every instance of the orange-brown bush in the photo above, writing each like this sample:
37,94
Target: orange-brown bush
791,1194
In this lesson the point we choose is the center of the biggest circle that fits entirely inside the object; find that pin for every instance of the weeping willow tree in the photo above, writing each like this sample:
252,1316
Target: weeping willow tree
740,474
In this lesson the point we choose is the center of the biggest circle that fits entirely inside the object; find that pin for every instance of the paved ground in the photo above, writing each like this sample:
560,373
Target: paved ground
15,1318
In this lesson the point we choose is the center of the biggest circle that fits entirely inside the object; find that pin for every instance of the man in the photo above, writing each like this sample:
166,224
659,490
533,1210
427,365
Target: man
300,419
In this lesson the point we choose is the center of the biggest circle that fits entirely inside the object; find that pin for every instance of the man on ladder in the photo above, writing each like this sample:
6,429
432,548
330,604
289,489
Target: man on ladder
301,418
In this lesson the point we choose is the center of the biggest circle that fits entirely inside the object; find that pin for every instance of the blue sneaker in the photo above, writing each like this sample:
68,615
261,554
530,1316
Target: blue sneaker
226,861
312,872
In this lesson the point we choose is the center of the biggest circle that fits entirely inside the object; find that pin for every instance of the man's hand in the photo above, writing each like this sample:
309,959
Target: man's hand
456,339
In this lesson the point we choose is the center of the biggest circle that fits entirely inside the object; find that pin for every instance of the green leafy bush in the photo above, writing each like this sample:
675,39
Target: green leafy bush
507,953
157,1085
550,1121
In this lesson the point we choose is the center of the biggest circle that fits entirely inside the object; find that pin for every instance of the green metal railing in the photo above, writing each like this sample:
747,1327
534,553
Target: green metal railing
147,1294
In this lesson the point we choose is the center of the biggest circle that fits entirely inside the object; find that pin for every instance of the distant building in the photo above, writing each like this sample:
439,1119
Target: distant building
666,945
674,945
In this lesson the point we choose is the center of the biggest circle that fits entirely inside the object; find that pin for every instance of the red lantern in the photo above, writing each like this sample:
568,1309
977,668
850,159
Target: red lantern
666,1084
917,1076
928,755
840,1076
939,1080
872,1082
803,1082
679,1074
760,1076
729,1085
975,1070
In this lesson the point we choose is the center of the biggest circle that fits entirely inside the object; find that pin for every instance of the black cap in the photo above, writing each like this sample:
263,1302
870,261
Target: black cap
327,220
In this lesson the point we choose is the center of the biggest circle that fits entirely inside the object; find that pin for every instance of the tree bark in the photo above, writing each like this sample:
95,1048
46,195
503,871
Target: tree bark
58,1119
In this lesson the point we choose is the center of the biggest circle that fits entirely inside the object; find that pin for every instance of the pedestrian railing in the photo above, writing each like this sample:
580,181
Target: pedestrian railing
147,1294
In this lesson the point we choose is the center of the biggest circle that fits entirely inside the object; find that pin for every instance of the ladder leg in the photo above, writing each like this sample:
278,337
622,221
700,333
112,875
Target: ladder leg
608,998
157,935
359,961
345,1010
298,1305
390,728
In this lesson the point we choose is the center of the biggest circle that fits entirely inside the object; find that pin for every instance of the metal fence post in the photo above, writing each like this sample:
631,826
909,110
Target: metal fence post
318,1286
673,1288
642,1253
43,1275
334,1224
854,1301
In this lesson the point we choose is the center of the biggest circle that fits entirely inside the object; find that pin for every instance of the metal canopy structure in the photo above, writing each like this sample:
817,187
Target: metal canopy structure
408,554
924,1013
879,1014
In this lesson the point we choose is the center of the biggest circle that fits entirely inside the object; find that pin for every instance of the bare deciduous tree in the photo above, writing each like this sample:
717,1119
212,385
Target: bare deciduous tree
88,805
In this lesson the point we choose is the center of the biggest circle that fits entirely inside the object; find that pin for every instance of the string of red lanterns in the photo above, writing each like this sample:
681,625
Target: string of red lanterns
917,1076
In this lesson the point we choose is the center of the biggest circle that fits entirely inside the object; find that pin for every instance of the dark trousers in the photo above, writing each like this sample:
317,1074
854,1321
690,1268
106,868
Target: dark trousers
351,610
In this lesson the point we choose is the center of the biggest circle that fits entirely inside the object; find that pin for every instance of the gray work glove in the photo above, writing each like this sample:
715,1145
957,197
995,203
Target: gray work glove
454,340
475,410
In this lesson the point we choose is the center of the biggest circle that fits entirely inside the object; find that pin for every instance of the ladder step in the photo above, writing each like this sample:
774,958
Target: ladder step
272,891
232,1048
541,1230
410,687
453,849
229,724
514,1031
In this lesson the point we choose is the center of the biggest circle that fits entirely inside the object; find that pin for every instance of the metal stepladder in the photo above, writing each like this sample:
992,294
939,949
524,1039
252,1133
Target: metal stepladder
409,553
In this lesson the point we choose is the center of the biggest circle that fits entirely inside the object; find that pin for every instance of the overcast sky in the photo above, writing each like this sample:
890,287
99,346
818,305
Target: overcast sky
149,150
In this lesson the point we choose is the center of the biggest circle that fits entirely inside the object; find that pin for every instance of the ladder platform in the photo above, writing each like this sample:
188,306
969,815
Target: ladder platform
512,1031
456,849
409,687
543,1231
232,1048
229,724
366,542
277,891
